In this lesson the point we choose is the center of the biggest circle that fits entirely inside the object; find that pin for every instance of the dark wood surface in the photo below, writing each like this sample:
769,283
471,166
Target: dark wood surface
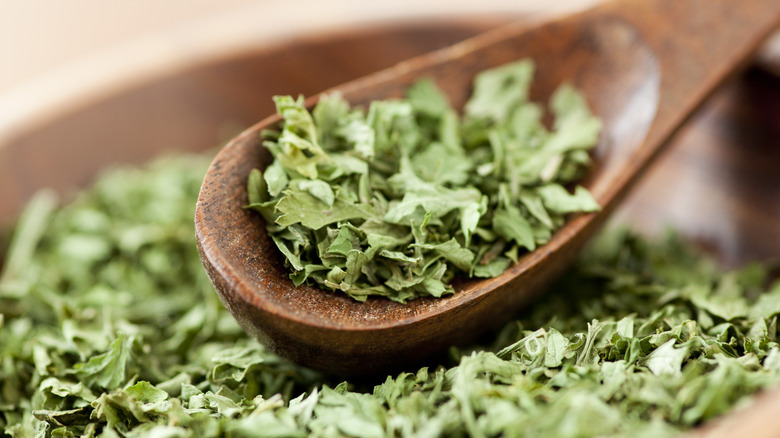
717,183
641,78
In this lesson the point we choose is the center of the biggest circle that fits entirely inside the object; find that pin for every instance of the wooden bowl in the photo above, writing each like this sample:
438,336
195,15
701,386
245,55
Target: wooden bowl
718,184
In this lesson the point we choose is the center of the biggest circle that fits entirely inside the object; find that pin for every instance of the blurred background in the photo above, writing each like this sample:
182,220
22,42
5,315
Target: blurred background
54,51
40,36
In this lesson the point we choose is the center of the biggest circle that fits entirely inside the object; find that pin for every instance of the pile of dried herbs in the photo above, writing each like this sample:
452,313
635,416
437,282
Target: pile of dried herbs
109,326
398,200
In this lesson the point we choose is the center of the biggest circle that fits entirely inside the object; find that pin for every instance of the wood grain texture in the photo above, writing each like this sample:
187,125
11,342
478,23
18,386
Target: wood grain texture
721,185
643,79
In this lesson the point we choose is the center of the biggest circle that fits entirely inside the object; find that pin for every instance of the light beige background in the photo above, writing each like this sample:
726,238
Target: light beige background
37,36
40,36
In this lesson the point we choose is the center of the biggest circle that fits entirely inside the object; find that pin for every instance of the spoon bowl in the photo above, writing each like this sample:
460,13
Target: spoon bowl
635,76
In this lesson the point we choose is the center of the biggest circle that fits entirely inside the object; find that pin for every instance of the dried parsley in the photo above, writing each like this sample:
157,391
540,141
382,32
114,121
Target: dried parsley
398,200
109,327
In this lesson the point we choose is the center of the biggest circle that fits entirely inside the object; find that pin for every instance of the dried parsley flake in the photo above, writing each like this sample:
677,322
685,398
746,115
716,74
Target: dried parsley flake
398,200
109,327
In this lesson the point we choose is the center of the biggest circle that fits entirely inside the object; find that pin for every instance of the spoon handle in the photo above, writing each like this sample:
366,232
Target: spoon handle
699,44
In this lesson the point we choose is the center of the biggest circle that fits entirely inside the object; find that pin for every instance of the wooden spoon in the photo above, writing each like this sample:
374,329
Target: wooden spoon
644,65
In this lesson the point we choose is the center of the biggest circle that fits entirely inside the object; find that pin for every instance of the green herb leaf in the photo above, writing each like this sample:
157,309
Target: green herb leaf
447,193
640,338
108,370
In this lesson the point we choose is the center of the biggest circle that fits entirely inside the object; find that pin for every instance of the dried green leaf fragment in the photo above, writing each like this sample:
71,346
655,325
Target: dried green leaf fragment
640,338
454,192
